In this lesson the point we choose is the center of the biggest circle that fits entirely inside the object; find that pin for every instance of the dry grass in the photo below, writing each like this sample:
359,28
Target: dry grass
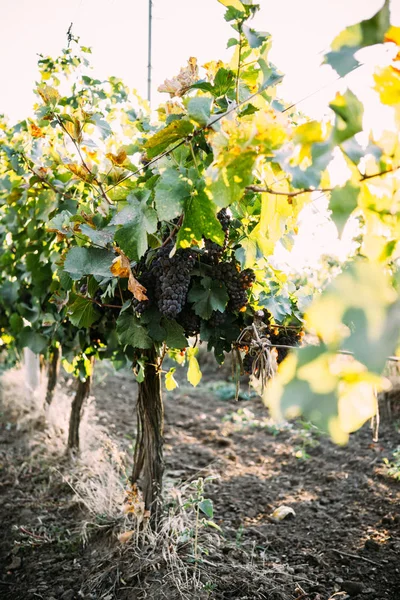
97,475
185,559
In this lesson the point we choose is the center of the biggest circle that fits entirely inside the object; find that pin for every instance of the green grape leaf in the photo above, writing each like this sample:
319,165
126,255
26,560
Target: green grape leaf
206,507
367,33
132,236
175,336
170,192
255,38
271,75
152,319
16,323
199,109
349,115
61,223
224,82
372,352
199,221
102,125
342,61
207,296
173,132
131,332
356,152
28,338
9,292
82,312
342,203
88,261
278,305
99,237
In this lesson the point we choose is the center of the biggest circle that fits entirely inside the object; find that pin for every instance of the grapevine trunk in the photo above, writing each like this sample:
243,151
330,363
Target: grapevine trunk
52,373
148,463
82,392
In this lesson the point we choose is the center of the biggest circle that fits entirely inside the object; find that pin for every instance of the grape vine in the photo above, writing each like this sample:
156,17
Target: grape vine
122,242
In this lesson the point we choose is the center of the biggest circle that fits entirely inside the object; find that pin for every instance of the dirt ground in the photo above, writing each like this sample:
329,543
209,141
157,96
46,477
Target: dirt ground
343,541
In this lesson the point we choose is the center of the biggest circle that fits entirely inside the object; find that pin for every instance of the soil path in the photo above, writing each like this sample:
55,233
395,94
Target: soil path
343,542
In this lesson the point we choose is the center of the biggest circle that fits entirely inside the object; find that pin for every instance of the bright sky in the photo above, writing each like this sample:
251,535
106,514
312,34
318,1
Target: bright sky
117,32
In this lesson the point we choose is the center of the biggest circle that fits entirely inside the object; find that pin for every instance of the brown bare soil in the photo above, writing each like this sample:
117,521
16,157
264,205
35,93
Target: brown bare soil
343,541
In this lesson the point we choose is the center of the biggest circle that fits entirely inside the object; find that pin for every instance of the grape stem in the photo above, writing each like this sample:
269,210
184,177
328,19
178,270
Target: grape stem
173,232
266,189
99,303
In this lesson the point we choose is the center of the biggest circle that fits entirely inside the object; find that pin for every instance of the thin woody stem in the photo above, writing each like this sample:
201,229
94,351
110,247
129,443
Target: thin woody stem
85,166
99,303
268,190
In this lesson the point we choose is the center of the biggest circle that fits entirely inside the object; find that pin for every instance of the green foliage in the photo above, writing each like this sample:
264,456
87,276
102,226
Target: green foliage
96,200
137,222
393,465
342,203
88,261
207,296
131,332
348,42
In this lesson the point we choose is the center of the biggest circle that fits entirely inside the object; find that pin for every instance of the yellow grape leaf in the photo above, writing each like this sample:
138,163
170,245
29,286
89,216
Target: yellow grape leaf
319,375
349,37
119,158
48,94
121,268
35,131
356,404
92,154
352,290
282,512
212,67
234,3
329,330
170,381
194,374
387,82
80,172
308,133
179,85
393,35
74,129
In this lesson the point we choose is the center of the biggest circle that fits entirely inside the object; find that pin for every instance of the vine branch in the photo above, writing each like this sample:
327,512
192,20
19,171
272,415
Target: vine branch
239,64
83,162
173,232
99,303
269,190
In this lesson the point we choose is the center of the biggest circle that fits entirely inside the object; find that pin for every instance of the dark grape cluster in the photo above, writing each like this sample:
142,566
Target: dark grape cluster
217,318
213,252
173,279
285,337
224,218
189,321
167,281
230,275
